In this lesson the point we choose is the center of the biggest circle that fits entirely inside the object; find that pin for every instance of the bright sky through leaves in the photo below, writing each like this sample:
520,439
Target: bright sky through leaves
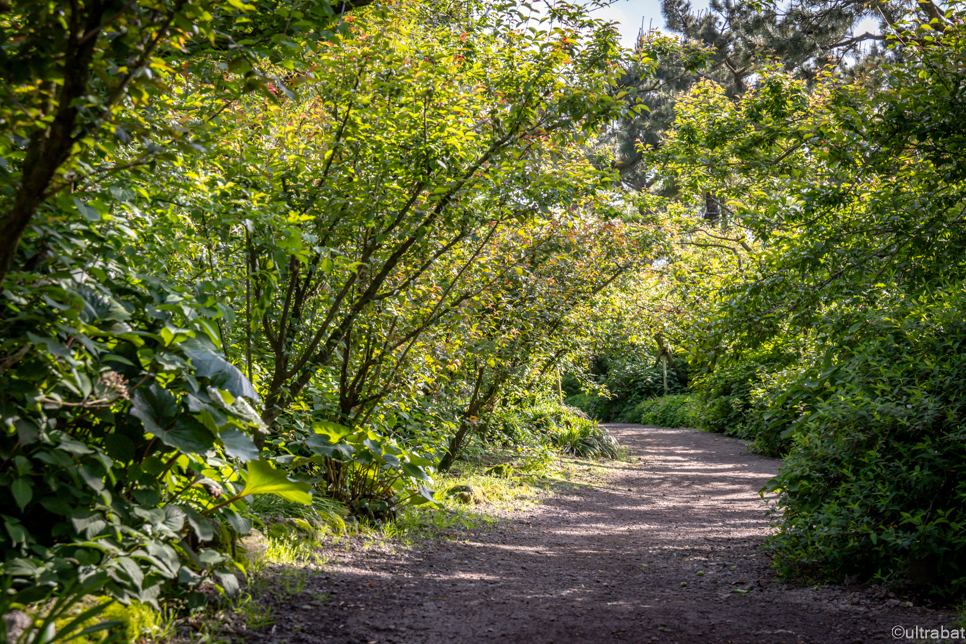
631,15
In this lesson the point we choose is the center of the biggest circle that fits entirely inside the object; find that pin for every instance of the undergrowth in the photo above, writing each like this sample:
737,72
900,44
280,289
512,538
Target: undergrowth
679,410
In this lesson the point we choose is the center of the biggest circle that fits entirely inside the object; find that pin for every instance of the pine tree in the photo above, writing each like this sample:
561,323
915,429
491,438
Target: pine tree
728,43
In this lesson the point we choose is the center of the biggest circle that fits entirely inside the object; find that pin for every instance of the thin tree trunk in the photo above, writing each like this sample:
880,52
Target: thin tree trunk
712,212
50,148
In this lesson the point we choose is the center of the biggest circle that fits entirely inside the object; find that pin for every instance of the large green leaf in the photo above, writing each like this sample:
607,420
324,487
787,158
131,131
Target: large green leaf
156,407
209,363
162,416
264,479
239,445
333,431
323,446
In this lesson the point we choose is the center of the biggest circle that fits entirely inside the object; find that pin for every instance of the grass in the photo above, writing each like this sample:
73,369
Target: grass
255,614
529,478
587,442
495,495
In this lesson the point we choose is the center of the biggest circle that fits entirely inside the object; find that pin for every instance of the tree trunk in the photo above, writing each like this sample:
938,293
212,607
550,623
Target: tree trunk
712,212
454,447
49,148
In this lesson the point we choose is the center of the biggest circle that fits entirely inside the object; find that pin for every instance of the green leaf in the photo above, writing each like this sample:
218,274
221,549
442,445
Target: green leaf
131,568
89,213
210,557
264,479
209,363
324,447
239,445
99,307
188,576
202,526
22,492
18,534
156,407
174,518
88,523
162,416
228,583
333,431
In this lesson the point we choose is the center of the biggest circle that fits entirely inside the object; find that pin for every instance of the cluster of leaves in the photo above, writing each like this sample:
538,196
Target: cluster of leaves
125,435
371,475
623,354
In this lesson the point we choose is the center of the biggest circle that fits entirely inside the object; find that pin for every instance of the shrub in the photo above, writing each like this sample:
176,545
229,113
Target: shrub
586,441
123,428
600,408
726,395
125,434
371,475
668,411
873,486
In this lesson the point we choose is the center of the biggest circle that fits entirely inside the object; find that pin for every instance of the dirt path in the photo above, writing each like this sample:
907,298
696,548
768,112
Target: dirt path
654,555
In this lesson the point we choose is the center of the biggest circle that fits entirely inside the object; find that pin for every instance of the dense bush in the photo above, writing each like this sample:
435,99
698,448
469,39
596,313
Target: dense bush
873,486
628,375
668,411
371,475
563,427
125,433
727,393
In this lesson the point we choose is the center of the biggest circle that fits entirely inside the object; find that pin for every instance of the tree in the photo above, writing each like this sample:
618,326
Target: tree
730,44
424,136
80,80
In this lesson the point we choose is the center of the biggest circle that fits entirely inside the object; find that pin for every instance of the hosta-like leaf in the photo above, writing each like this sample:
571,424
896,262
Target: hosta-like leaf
174,518
239,445
156,407
162,416
209,363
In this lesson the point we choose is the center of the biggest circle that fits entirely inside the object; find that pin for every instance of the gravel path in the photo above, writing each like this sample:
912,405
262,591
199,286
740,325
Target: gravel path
665,550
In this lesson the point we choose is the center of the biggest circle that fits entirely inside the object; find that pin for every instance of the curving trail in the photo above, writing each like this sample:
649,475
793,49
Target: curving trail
666,550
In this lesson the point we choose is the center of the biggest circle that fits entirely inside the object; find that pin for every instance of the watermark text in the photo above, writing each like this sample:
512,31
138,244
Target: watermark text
919,633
